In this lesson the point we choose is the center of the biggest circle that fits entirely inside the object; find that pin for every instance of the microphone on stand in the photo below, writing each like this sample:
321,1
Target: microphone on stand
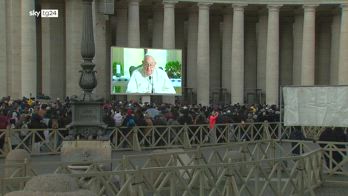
151,84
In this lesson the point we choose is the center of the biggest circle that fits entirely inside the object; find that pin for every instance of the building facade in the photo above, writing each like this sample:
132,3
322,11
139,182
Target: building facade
233,50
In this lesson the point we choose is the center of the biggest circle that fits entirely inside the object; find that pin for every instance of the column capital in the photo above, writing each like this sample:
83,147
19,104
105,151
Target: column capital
133,2
344,7
309,7
204,5
274,7
239,6
169,4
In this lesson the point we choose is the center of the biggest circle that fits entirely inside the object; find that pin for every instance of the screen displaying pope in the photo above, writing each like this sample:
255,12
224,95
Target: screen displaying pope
150,79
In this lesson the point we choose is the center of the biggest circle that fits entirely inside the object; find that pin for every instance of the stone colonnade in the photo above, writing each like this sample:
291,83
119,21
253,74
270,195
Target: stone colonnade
246,51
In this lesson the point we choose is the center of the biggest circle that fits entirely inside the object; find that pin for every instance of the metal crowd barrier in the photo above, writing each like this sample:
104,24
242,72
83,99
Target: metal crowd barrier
43,141
262,170
335,154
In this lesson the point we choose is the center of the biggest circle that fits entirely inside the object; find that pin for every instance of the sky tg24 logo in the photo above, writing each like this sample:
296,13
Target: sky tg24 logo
45,13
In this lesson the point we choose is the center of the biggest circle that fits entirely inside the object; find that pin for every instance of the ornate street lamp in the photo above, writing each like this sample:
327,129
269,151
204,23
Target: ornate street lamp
87,128
87,108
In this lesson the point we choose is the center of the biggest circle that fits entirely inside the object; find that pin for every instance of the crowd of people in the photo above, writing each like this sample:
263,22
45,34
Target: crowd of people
52,114
31,113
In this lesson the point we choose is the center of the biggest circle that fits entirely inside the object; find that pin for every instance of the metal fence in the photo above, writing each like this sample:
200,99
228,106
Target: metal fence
261,169
43,142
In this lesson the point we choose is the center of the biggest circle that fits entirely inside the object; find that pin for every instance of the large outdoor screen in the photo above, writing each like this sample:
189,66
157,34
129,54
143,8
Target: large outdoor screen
146,71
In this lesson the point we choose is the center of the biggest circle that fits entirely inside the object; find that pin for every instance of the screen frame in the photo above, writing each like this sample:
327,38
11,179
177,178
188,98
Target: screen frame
145,94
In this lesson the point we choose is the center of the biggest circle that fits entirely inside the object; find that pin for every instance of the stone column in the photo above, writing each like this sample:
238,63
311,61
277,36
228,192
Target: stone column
133,32
286,51
308,46
157,32
226,49
133,24
335,47
169,25
180,40
121,26
3,58
73,29
169,35
53,51
272,57
13,43
261,52
343,52
215,54
28,50
203,61
237,68
323,42
192,49
250,56
297,49
100,22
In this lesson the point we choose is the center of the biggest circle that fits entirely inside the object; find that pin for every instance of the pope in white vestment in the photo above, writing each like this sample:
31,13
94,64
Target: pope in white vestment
150,79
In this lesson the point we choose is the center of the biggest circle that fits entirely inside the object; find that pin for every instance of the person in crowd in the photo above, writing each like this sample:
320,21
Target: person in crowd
296,134
37,121
108,120
333,135
200,119
212,121
118,119
147,133
139,118
128,124
129,120
4,124
186,117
